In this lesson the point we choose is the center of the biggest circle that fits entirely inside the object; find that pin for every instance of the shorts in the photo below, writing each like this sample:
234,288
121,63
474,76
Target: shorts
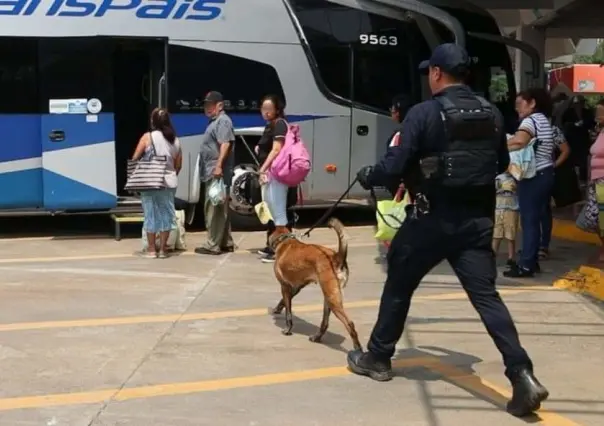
506,224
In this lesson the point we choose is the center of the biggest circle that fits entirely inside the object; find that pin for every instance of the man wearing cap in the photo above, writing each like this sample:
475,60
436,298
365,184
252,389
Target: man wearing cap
216,161
453,146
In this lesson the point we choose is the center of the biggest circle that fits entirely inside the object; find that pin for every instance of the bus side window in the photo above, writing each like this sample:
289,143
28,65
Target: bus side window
195,71
18,76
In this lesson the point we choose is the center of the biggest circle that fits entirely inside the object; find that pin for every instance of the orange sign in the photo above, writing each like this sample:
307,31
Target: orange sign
579,78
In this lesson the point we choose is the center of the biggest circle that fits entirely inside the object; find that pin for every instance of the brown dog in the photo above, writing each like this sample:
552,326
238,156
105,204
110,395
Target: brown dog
298,264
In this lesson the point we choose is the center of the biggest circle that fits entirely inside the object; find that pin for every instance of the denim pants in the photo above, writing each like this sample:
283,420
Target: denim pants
546,226
292,199
276,199
533,196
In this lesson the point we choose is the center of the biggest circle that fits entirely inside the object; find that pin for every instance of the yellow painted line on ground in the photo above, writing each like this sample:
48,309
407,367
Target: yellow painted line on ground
492,392
104,256
241,313
64,258
468,382
172,389
567,230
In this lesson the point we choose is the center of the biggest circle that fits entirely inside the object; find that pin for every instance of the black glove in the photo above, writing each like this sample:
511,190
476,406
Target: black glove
363,176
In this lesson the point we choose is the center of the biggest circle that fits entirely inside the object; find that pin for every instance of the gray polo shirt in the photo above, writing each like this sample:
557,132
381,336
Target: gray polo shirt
219,131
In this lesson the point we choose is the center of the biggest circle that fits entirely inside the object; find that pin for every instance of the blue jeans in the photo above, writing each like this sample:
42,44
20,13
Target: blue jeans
533,196
546,227
276,199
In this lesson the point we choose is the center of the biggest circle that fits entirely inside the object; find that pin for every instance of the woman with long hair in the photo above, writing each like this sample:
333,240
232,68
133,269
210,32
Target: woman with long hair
534,107
158,205
279,197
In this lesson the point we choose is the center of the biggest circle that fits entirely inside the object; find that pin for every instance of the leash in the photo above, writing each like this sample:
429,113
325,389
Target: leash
374,204
331,209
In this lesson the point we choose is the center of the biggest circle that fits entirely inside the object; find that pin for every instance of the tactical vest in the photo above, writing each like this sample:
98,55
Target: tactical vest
471,155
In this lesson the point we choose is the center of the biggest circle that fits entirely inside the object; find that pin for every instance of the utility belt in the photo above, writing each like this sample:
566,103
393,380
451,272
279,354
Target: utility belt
460,169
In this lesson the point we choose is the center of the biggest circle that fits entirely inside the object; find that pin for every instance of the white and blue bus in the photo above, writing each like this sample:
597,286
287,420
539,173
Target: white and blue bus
78,79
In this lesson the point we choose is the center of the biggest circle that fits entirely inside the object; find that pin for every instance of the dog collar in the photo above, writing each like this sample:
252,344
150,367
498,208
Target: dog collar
282,238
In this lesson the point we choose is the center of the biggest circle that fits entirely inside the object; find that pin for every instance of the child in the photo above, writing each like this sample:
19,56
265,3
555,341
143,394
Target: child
506,215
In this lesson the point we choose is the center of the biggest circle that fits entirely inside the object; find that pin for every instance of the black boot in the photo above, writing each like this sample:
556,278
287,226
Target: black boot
527,395
366,364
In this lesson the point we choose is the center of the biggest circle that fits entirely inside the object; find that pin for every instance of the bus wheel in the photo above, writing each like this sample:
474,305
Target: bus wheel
241,204
241,222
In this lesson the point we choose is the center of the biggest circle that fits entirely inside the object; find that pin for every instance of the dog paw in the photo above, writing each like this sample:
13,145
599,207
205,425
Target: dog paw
286,332
315,338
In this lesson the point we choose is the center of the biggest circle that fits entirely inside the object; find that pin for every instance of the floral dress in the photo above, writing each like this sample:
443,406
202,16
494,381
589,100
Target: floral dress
589,218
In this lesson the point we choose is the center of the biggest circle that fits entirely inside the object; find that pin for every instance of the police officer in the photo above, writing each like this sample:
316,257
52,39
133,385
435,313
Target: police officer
453,147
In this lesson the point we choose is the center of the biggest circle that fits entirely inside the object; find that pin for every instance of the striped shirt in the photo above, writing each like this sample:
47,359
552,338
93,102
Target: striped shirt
537,125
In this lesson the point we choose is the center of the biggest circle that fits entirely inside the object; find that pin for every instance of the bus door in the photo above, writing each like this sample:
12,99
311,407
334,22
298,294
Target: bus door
140,73
77,123
385,63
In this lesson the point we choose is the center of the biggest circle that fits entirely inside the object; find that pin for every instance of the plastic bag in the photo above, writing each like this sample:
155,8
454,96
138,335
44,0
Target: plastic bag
390,215
217,192
262,210
176,237
522,162
180,243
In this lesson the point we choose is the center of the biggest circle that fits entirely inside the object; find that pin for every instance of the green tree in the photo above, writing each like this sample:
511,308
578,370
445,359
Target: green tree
596,58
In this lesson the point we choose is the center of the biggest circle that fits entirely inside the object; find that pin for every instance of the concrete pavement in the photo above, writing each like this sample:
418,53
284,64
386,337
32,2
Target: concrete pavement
91,334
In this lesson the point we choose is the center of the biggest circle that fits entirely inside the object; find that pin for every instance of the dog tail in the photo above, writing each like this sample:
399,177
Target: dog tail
342,253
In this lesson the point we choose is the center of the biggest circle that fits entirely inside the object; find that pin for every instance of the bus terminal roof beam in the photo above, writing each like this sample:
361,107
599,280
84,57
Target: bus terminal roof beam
579,19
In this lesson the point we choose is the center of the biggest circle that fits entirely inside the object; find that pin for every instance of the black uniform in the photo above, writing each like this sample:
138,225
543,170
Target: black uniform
453,147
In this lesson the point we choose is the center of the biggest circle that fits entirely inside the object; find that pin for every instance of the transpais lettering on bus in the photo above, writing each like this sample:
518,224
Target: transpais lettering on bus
199,10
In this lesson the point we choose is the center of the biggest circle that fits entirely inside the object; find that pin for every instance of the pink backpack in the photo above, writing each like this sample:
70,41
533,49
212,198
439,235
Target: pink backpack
292,164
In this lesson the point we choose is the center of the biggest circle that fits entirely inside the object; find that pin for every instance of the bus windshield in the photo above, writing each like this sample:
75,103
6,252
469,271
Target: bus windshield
491,72
362,57
367,58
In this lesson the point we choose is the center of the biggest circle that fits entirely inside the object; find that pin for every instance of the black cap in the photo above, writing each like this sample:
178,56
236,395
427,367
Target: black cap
213,97
449,57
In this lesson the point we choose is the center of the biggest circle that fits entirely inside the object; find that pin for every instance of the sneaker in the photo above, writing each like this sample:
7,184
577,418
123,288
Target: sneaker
205,250
163,255
265,252
518,271
268,259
